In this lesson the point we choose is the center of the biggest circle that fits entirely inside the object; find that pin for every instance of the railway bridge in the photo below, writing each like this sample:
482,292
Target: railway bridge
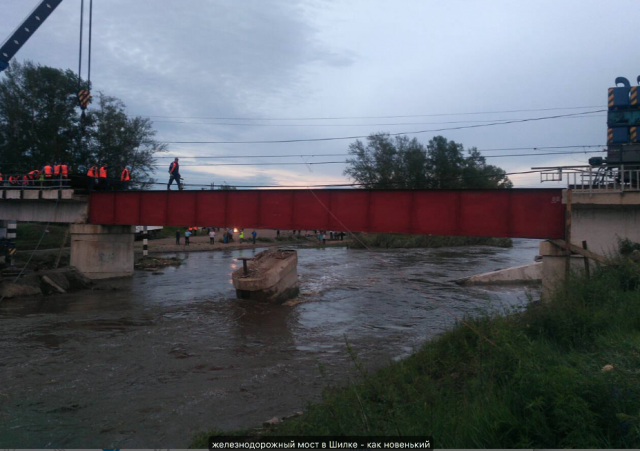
102,231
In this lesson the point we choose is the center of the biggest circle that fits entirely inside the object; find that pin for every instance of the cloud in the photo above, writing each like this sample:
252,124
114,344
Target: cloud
303,58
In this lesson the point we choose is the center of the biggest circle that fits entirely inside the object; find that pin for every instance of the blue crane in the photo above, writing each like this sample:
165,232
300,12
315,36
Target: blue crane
22,34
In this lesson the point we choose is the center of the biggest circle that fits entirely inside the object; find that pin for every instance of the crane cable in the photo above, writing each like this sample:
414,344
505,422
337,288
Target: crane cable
84,91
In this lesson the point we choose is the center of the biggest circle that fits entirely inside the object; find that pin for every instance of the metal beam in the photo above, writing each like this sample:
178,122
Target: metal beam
517,213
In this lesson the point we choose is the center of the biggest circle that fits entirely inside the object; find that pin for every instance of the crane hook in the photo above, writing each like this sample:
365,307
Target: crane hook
624,81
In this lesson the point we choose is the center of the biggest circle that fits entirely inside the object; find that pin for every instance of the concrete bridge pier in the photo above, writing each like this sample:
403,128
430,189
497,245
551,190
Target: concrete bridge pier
102,252
554,261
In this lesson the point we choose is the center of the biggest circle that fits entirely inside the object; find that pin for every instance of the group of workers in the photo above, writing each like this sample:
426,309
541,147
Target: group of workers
58,175
99,177
48,175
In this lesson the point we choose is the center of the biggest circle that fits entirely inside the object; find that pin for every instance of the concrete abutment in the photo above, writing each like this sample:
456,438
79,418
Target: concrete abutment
102,252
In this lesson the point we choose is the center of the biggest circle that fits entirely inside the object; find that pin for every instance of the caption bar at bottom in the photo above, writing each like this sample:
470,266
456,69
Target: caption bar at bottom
321,443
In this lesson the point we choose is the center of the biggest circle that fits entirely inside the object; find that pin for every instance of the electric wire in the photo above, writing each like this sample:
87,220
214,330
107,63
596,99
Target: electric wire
341,138
236,124
186,157
346,185
373,117
344,161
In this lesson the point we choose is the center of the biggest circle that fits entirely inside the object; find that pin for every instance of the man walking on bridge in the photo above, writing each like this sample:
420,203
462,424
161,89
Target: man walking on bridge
174,174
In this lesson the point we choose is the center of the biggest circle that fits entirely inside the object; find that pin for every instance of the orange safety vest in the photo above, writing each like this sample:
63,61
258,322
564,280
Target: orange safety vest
125,177
103,173
173,166
25,180
1,179
34,174
92,172
56,169
48,171
190,229
65,170
13,179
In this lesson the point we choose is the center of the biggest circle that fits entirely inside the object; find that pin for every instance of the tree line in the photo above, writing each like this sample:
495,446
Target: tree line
398,162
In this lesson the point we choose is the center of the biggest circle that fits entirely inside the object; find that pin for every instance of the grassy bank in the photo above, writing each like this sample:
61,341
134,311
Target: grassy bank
28,236
545,383
393,241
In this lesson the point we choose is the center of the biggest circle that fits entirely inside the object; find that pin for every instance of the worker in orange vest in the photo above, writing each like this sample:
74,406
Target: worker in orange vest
125,177
102,176
13,180
25,180
1,180
48,173
64,173
33,176
92,173
174,174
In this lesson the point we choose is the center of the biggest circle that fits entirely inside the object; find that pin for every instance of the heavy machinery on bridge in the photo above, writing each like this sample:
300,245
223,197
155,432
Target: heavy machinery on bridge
619,170
622,163
29,26
26,29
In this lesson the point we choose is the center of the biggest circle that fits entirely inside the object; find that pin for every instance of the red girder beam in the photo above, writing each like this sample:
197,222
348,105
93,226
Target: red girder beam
515,213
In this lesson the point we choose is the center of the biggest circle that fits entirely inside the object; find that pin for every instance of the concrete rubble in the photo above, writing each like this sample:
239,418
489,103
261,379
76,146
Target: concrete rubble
44,283
272,276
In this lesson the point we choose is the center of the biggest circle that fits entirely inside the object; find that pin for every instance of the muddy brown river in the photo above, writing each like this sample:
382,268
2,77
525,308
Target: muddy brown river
146,362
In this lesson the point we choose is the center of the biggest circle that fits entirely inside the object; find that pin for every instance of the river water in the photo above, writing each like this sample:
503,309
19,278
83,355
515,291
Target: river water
148,361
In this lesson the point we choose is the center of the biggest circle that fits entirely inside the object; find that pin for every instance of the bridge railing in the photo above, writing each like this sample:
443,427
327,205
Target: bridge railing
47,184
595,179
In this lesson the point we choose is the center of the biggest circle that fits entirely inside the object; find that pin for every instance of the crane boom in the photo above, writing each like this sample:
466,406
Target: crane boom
25,30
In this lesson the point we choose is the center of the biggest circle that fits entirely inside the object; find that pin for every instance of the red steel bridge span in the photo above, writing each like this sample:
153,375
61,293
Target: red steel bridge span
515,213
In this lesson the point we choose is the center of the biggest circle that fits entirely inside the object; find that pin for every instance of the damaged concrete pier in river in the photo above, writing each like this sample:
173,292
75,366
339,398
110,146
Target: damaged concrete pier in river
270,276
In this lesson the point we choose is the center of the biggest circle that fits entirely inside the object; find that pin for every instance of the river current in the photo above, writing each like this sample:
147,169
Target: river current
148,361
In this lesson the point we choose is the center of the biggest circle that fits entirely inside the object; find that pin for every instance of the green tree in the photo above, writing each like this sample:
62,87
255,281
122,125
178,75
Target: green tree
39,119
41,123
399,162
115,139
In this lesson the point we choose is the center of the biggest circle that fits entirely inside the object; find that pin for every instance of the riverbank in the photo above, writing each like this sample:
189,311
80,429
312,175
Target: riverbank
401,241
561,374
201,243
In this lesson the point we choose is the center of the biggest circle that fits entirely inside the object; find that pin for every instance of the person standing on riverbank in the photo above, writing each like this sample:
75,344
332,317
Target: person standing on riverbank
324,237
242,236
178,237
212,236
187,234
254,234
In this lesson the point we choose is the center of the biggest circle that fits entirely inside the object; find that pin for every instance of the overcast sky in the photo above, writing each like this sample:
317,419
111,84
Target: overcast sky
184,62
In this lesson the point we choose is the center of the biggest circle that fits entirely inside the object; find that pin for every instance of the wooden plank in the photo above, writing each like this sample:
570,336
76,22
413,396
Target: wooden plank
578,250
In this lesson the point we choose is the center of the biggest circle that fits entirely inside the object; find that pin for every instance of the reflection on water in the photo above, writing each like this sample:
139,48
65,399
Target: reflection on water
147,361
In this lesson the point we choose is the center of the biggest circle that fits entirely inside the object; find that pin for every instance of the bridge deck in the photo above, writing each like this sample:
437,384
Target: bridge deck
516,213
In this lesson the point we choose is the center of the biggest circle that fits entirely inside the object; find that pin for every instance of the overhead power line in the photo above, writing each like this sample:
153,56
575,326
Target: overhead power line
236,124
346,185
344,162
285,141
317,155
337,118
